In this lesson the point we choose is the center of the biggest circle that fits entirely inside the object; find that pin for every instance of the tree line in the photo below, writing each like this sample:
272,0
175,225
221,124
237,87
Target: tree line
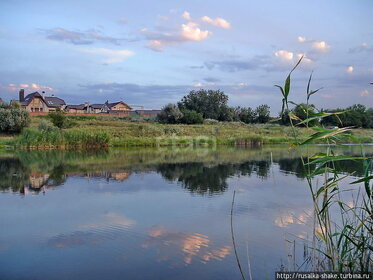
357,115
203,104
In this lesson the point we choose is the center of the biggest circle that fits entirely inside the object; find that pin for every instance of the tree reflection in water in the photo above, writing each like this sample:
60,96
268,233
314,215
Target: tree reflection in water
202,173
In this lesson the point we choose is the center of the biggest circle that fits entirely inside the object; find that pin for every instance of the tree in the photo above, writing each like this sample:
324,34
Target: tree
13,120
212,104
170,114
245,114
191,117
263,113
304,111
58,119
355,116
284,116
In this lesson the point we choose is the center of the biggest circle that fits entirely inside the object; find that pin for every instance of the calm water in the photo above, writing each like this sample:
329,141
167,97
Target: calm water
153,213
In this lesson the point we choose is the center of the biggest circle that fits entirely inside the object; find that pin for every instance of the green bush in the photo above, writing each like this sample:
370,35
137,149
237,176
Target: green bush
170,114
191,117
263,114
46,126
60,120
13,120
357,116
246,115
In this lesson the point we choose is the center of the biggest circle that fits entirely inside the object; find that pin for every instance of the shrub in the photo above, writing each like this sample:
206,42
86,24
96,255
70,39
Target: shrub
246,115
191,117
262,113
60,120
356,115
170,114
46,126
13,120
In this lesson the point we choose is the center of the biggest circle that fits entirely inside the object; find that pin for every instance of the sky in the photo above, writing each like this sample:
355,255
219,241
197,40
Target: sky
150,53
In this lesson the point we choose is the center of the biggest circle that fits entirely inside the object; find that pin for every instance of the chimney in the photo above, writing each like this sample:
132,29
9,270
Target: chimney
22,95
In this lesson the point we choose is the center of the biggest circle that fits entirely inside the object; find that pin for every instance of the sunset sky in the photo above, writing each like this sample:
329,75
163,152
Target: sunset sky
154,52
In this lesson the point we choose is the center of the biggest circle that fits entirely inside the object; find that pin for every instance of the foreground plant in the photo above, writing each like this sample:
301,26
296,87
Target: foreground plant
343,228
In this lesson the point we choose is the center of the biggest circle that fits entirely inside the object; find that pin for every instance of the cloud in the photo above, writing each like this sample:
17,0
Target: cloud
281,60
284,220
28,87
284,55
235,65
112,56
211,80
80,37
157,45
186,15
320,46
163,18
123,21
316,45
157,40
301,39
197,67
364,47
366,92
173,245
165,36
191,31
218,22
350,69
285,58
198,85
305,60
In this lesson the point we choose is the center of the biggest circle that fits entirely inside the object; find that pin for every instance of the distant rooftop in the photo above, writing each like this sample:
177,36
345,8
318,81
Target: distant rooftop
53,101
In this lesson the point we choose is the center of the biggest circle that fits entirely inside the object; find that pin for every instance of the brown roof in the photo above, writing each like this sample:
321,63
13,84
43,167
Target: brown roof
110,105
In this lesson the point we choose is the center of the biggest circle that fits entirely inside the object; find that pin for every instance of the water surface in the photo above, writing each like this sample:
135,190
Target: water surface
154,213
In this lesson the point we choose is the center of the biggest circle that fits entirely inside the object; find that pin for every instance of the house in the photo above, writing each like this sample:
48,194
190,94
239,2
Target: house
36,102
117,107
76,109
97,108
54,103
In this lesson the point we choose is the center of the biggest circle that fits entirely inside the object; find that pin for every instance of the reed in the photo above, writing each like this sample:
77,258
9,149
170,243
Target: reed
342,234
32,138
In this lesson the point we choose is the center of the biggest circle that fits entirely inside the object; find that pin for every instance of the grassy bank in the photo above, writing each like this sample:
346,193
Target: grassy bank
110,131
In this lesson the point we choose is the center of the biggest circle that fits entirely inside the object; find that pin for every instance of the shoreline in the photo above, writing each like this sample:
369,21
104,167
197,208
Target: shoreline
93,133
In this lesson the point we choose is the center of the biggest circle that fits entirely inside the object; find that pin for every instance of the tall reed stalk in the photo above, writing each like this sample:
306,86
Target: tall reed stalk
343,229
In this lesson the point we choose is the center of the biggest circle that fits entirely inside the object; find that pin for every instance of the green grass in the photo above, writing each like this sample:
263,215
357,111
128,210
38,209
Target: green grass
123,132
33,138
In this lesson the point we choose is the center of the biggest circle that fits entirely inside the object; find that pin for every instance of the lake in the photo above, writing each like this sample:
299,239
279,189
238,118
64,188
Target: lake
155,213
